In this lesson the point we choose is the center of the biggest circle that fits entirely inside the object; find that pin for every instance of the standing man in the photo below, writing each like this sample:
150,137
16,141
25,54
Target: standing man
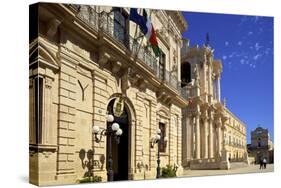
261,163
264,163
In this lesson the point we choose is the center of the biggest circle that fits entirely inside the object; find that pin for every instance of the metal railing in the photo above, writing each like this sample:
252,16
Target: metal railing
234,144
104,22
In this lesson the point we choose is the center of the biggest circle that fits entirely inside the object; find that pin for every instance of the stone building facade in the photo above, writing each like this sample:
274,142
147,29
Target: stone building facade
235,139
206,120
261,146
82,59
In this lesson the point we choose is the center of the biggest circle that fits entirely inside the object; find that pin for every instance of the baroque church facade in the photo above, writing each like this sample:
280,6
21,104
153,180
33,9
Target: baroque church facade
212,135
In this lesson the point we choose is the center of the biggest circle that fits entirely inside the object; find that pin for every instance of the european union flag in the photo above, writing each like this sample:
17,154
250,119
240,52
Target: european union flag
138,19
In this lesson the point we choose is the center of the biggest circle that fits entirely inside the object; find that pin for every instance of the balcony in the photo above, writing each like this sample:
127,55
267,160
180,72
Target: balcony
104,24
233,144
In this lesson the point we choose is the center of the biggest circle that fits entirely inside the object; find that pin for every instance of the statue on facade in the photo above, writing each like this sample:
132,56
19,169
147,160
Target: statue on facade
196,75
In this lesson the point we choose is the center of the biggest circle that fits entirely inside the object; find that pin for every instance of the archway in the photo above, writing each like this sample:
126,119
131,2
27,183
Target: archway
121,153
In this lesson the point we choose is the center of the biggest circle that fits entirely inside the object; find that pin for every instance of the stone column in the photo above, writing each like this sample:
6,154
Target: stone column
214,88
219,127
192,131
205,146
197,135
211,143
219,88
31,111
210,82
47,110
67,118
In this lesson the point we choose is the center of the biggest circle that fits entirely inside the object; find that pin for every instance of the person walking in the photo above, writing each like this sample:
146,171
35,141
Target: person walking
261,164
264,163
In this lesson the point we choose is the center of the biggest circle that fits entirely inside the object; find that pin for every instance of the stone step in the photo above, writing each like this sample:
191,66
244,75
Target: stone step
234,165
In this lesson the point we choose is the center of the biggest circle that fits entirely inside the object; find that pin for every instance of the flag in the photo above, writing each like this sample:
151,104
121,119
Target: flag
138,19
146,27
151,35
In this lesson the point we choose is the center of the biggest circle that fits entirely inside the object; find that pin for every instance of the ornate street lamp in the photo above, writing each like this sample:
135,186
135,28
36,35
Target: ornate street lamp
113,130
157,140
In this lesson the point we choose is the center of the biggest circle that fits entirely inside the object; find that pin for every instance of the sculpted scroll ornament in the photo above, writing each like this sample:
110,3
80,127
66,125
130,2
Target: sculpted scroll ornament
175,64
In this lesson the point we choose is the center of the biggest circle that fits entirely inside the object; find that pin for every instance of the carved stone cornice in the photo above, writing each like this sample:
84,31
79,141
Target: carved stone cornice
178,19
163,35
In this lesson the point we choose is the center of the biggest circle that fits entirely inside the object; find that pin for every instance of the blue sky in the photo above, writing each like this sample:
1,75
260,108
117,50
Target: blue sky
245,46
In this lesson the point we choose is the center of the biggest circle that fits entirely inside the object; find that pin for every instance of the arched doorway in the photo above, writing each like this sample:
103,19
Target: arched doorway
120,152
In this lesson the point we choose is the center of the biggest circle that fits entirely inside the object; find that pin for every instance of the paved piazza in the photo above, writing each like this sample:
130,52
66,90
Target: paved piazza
241,170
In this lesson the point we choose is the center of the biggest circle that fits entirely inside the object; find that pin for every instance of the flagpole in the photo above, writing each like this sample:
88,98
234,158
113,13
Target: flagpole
138,49
135,39
136,30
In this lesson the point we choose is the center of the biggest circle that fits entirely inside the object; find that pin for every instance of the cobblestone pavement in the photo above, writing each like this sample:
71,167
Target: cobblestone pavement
242,170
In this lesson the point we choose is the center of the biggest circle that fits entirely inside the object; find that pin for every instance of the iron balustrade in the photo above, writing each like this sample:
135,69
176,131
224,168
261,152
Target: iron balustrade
104,23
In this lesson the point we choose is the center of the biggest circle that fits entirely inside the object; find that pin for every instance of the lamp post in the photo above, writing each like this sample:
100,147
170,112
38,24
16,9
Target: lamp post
113,130
157,140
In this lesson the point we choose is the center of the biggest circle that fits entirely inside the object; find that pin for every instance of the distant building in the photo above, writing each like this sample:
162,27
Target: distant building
261,146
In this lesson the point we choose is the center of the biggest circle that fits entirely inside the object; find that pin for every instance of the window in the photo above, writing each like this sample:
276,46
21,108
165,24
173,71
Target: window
121,26
185,73
259,142
162,143
38,109
162,62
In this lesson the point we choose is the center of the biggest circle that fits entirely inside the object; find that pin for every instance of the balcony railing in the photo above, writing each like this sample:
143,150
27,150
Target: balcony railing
234,144
104,23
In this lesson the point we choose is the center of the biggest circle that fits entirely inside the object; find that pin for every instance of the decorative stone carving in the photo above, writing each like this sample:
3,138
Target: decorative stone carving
48,83
175,64
103,59
125,84
116,67
53,25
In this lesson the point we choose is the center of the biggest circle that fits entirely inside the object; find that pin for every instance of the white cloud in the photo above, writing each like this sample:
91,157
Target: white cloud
240,43
267,51
242,61
250,33
226,43
257,46
256,57
224,57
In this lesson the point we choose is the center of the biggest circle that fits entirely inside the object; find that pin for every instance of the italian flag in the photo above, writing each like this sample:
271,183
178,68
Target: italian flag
151,35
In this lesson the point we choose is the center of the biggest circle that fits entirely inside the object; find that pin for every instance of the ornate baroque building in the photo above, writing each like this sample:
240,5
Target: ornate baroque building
212,135
84,58
261,146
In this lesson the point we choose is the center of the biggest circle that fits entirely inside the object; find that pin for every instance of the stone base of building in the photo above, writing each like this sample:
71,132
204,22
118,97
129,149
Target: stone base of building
208,164
224,165
179,171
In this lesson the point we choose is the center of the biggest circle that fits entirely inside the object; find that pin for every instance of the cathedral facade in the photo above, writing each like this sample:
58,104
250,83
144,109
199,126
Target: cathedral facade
212,135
